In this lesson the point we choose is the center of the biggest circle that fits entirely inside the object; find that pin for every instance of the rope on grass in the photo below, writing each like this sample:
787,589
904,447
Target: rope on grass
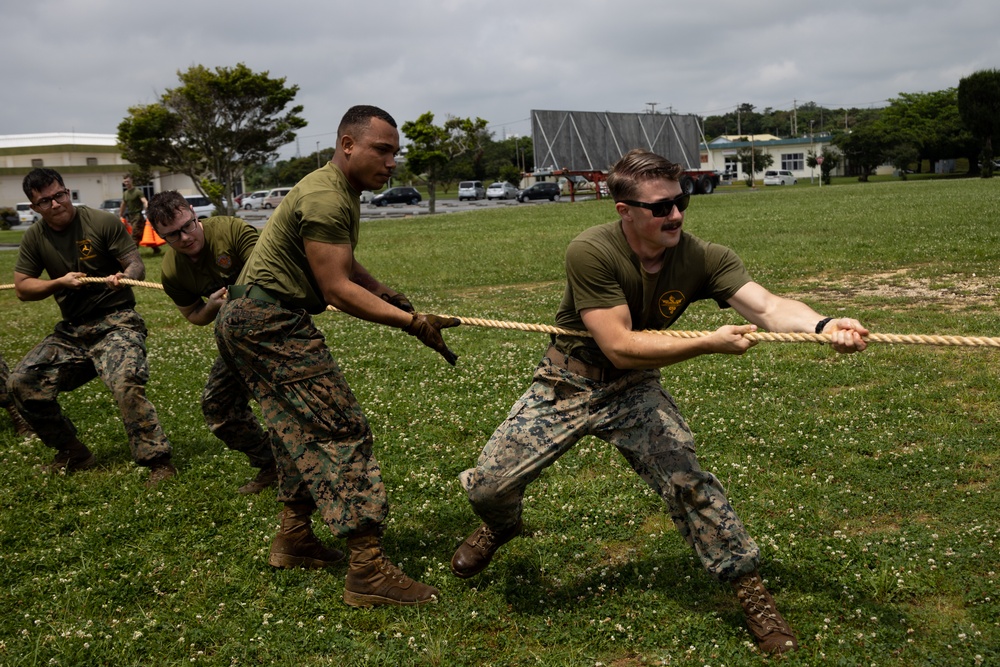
764,336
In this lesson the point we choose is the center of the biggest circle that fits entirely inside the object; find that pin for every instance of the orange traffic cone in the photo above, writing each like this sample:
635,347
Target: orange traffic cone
150,238
128,227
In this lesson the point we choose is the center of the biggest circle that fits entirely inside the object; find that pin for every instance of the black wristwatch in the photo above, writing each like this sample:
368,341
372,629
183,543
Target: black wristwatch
822,324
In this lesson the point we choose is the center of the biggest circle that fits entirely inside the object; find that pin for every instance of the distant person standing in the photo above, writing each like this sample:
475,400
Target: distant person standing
304,261
203,257
132,206
100,333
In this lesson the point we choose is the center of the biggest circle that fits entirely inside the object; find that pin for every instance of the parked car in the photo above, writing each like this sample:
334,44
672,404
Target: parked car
779,177
544,190
274,197
471,190
254,200
501,190
25,214
112,206
202,205
400,195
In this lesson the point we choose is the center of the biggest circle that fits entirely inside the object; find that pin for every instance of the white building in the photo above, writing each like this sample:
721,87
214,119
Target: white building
90,164
790,154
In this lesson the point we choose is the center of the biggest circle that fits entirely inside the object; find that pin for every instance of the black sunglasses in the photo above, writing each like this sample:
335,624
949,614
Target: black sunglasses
664,207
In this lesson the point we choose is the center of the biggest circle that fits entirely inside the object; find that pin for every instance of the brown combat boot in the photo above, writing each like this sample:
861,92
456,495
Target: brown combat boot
769,629
159,470
21,425
476,552
74,457
295,544
372,579
266,478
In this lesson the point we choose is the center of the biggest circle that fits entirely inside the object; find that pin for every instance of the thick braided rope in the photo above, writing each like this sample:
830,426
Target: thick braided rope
899,339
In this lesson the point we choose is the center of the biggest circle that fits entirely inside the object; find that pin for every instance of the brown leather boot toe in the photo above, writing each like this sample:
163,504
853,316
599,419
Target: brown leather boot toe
75,457
476,552
296,545
372,579
160,470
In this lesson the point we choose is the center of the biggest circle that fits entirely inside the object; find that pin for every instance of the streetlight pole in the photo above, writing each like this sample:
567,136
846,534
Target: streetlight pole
318,165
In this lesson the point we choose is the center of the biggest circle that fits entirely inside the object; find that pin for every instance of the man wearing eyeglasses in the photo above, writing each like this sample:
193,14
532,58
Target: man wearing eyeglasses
625,278
202,258
100,335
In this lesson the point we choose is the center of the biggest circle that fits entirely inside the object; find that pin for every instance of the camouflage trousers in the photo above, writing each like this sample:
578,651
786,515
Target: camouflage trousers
112,348
5,399
225,402
636,415
325,452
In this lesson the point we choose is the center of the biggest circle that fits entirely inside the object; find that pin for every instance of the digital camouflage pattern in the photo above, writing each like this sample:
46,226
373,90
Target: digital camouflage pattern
325,451
636,415
113,348
225,402
5,399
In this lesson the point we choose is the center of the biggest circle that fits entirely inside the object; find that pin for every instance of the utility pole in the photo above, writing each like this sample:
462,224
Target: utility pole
652,107
318,165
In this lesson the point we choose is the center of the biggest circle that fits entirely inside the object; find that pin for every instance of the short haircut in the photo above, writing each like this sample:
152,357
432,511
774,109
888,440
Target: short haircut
164,207
636,167
358,118
38,179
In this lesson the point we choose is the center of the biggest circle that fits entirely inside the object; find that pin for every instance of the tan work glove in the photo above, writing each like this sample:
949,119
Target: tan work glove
428,329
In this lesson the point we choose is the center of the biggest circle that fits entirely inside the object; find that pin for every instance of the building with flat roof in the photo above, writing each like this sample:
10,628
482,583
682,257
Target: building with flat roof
91,166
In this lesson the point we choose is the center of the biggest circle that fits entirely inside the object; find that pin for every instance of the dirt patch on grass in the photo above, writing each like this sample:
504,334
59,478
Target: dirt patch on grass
950,291
522,287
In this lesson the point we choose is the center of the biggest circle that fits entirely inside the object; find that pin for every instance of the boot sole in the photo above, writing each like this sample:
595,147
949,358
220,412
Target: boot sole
72,466
362,600
287,562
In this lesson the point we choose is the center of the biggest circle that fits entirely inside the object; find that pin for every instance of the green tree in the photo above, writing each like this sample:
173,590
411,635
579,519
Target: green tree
752,161
831,160
931,123
434,150
864,146
212,126
903,156
979,107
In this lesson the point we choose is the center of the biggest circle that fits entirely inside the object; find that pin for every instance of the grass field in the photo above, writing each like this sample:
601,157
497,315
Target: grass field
870,481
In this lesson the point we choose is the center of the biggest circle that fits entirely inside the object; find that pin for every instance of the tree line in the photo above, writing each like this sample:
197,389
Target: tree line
223,128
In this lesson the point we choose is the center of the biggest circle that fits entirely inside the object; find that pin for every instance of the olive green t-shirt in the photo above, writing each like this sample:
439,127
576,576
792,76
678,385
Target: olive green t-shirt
133,202
322,207
228,245
92,244
602,271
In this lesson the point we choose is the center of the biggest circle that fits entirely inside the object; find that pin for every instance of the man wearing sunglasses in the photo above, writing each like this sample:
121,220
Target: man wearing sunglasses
203,256
624,278
100,333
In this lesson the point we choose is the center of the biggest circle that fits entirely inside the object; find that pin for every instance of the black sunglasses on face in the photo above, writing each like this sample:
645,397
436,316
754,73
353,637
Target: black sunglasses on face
664,207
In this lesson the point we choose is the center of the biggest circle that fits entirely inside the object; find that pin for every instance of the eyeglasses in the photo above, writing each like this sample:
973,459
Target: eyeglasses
664,207
175,236
45,203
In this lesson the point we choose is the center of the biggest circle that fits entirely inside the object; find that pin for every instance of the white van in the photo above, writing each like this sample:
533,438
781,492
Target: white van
274,197
25,214
471,190
779,177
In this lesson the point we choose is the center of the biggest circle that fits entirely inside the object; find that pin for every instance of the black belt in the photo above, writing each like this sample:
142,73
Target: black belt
253,292
582,368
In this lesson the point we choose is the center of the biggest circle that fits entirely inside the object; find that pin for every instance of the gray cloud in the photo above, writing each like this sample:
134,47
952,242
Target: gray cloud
71,65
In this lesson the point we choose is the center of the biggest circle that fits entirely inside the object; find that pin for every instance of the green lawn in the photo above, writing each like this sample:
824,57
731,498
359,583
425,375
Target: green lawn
871,481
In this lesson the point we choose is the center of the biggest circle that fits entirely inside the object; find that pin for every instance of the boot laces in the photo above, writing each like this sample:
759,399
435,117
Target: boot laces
391,570
755,602
486,538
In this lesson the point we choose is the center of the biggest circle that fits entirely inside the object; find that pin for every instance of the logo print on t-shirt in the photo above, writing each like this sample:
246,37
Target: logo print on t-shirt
224,261
86,249
670,302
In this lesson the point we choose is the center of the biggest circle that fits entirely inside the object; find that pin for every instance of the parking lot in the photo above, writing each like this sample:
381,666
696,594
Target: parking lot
258,217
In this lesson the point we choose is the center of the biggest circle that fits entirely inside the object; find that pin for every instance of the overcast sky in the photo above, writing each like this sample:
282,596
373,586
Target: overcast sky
77,65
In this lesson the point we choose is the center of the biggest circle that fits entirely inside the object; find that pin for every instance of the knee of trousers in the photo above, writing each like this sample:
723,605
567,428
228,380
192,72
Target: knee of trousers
23,388
491,491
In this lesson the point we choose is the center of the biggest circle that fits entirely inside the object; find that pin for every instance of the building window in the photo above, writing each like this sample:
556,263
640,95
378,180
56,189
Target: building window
37,163
92,162
732,165
793,161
